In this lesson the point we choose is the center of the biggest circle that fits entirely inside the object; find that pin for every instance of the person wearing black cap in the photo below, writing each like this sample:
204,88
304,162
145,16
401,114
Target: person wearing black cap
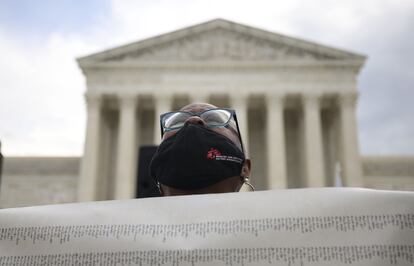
201,152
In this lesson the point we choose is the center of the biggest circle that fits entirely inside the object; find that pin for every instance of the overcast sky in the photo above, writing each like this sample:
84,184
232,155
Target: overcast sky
42,110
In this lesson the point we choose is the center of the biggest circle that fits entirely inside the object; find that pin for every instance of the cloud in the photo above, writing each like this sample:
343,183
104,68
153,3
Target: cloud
386,111
42,109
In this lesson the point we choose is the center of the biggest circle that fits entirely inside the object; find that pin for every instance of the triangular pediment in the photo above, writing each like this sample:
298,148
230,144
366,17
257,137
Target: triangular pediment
220,40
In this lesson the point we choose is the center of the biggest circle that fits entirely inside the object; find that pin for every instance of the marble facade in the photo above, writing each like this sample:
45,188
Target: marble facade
295,102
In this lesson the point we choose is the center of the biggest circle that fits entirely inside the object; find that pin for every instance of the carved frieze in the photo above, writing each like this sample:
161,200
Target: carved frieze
219,44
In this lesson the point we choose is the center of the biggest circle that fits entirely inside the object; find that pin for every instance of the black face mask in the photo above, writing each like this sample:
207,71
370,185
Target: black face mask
195,158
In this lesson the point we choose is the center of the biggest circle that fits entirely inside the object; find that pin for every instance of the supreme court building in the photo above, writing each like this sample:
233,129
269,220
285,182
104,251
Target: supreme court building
295,102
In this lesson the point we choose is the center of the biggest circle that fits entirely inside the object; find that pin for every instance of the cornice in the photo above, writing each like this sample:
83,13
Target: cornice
288,64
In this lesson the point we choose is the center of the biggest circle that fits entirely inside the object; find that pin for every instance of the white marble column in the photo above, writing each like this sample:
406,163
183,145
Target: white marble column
88,184
314,167
162,105
199,97
240,104
125,183
275,141
350,159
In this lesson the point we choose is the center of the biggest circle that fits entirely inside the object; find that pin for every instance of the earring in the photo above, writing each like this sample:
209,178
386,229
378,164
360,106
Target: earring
246,182
159,188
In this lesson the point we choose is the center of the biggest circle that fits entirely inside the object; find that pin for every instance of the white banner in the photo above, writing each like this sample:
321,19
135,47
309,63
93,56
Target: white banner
326,226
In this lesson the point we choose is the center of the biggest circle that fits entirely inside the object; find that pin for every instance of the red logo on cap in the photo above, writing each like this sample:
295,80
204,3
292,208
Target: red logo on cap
212,153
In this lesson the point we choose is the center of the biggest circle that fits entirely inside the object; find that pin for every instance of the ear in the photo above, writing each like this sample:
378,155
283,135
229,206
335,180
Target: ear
246,168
